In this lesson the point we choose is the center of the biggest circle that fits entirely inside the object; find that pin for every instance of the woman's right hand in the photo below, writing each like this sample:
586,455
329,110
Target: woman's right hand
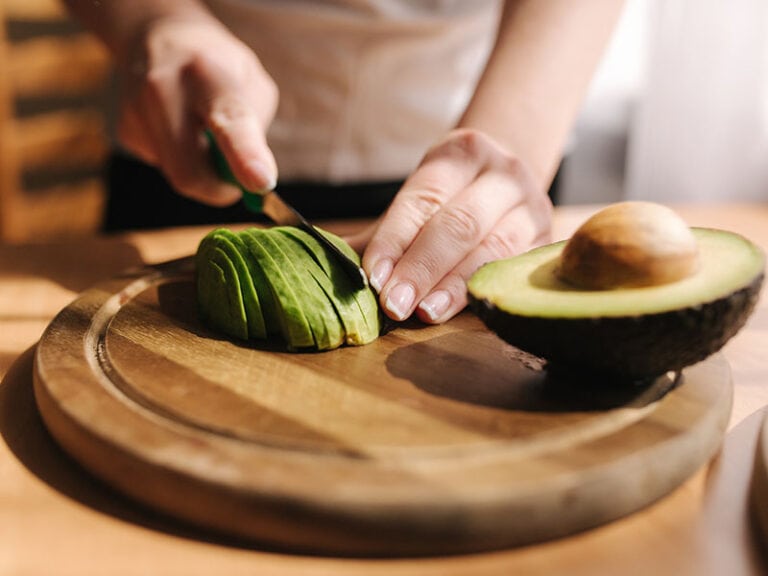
181,77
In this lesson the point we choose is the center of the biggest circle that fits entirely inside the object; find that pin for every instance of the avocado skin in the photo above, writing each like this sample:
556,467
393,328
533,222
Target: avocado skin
627,347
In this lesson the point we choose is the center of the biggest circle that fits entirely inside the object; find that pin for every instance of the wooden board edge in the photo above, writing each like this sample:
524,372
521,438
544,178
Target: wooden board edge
275,525
758,490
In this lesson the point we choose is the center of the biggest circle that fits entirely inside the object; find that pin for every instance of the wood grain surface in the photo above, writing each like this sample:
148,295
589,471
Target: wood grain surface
431,440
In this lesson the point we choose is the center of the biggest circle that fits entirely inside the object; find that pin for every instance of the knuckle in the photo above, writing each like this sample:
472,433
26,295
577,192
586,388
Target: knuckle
424,202
531,226
269,88
503,243
227,111
466,142
199,64
224,87
269,96
152,85
424,270
544,221
461,224
460,143
512,165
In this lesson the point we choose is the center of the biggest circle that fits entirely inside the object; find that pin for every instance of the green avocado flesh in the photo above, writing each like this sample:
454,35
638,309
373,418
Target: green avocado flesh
280,282
629,332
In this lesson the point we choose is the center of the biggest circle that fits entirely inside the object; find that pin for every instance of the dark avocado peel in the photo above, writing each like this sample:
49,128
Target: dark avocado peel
632,295
282,283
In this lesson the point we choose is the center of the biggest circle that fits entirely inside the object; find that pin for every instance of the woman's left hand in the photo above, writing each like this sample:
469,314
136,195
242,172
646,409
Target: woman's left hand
469,202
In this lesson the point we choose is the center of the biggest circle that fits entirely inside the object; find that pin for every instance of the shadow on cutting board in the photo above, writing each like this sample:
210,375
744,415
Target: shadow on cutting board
496,375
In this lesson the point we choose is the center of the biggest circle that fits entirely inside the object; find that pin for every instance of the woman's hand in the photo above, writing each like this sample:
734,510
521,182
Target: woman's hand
471,200
185,75
467,203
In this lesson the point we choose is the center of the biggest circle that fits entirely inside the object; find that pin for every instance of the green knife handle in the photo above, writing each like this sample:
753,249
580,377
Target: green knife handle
251,200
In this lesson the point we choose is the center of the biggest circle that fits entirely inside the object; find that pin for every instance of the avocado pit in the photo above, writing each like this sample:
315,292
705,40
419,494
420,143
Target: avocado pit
631,244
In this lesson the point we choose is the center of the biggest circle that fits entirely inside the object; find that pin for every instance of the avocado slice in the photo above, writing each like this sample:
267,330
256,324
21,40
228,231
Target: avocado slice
220,300
293,323
336,285
302,270
235,249
633,332
264,298
366,297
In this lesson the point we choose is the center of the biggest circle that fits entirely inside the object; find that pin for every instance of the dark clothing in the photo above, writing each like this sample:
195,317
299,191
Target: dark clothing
139,198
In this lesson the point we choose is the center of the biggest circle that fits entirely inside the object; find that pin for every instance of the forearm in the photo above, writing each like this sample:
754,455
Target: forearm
536,78
118,23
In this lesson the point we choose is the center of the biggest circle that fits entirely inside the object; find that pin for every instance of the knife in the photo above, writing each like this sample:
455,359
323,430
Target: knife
269,203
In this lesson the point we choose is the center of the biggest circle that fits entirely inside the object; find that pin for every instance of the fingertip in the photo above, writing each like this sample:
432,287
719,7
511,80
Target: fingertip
380,273
436,307
243,144
399,301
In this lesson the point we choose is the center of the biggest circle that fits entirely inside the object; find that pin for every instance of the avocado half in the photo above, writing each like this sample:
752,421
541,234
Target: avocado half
630,332
281,283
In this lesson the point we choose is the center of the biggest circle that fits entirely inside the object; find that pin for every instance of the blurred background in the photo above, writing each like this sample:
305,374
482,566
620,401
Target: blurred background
53,82
678,111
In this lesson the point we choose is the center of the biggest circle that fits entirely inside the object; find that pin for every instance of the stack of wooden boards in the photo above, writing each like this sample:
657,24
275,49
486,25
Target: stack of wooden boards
52,126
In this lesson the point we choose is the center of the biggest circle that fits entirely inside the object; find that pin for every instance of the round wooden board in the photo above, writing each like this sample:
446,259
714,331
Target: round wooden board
759,486
430,440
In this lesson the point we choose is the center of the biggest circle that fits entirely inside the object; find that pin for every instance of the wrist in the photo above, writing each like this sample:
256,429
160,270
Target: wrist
155,34
122,25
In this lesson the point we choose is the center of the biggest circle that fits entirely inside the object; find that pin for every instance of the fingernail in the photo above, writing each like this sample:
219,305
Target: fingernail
264,179
399,300
380,274
436,304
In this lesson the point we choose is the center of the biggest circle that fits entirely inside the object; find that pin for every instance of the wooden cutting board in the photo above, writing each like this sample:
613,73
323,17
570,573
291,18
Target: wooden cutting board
430,440
759,485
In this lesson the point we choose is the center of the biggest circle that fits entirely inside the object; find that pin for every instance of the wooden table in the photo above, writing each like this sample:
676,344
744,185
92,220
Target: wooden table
54,518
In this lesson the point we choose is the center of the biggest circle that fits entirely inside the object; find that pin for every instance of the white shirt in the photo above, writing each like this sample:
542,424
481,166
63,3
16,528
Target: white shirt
366,86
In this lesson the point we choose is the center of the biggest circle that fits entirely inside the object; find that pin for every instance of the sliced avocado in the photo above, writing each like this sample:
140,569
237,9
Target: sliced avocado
294,326
302,270
633,332
237,252
281,281
334,282
264,295
220,299
366,298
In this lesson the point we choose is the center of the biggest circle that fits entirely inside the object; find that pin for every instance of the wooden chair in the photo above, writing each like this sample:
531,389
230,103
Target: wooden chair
53,79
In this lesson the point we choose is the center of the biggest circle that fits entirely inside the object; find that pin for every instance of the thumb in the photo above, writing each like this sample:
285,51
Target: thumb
243,143
237,111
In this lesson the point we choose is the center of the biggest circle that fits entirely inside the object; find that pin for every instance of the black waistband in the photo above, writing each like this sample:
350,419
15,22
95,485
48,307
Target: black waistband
139,197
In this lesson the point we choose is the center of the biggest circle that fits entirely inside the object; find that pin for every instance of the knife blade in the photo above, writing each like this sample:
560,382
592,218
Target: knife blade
269,203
